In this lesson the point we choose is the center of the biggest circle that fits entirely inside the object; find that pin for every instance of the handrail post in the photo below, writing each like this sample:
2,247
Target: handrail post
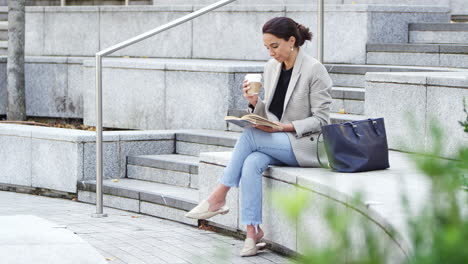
127,2
63,3
99,56
320,30
99,170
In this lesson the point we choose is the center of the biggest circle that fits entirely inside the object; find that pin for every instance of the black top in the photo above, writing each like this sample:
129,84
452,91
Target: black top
277,103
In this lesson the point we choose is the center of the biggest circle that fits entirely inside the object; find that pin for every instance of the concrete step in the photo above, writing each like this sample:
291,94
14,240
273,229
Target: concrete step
460,18
3,35
3,52
336,118
448,33
192,142
438,55
3,25
156,199
4,15
3,44
173,169
353,75
348,100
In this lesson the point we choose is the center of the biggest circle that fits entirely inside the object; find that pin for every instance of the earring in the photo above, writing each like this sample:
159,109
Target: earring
292,48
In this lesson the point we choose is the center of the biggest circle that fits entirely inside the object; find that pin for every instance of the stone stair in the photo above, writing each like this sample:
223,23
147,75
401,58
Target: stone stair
443,33
429,44
3,33
163,185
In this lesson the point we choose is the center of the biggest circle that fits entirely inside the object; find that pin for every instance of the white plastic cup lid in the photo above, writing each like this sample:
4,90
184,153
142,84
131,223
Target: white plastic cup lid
253,77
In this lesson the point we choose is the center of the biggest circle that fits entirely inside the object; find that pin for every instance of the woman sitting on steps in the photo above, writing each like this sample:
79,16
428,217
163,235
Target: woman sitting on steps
297,97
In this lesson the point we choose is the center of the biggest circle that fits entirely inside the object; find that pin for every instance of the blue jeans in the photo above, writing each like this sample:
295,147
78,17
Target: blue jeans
252,154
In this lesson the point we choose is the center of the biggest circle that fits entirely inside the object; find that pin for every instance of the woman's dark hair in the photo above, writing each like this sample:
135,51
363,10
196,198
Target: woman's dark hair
285,27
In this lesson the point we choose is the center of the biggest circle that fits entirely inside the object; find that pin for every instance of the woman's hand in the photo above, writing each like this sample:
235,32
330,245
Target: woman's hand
284,128
252,98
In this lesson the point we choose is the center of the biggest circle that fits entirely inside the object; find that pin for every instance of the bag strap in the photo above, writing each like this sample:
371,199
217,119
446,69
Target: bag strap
318,156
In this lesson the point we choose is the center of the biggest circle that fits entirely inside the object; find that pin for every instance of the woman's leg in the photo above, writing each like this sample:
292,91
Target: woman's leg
276,145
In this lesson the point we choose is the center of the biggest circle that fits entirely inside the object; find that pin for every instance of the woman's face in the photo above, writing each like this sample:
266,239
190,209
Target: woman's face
279,48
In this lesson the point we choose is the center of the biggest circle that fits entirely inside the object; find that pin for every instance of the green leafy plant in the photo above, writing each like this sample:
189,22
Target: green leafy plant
464,123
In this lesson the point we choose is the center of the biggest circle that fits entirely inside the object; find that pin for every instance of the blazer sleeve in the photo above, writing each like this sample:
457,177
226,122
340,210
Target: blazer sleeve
320,100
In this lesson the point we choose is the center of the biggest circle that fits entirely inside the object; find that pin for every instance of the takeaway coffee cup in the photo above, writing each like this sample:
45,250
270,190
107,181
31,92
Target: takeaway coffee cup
255,81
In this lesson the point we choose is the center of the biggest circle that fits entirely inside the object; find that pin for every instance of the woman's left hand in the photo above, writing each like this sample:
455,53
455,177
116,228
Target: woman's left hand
285,128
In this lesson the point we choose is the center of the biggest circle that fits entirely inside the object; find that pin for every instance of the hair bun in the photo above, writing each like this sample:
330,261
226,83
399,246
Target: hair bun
304,32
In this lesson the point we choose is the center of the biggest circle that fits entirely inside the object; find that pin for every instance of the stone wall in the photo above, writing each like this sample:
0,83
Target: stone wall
56,158
379,206
423,96
348,28
166,94
53,87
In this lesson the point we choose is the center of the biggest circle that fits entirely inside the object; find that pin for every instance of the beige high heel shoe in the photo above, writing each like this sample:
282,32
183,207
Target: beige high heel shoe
201,211
249,249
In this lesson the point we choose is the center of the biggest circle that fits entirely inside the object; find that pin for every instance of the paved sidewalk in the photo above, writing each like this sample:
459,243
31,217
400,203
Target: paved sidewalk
125,237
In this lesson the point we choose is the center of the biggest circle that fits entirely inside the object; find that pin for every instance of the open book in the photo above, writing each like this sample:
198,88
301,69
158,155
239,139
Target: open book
251,120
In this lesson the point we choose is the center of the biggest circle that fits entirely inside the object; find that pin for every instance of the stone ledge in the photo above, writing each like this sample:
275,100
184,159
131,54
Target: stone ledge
438,27
174,162
196,65
380,189
176,197
209,137
446,79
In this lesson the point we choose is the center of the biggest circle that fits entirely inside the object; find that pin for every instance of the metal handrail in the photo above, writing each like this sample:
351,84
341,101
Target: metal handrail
64,2
320,26
121,45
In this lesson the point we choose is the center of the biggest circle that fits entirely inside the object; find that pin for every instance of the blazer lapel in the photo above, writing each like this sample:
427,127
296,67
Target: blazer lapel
271,92
294,78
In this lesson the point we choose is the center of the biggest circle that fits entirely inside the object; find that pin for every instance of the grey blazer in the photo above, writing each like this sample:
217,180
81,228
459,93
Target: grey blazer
306,105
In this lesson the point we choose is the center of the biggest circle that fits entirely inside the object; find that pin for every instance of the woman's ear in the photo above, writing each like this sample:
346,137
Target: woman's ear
292,41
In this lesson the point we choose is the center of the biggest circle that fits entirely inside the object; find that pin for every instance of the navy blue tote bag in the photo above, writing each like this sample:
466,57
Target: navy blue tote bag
356,146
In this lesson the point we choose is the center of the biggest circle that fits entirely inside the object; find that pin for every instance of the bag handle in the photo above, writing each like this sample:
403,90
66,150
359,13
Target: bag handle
354,127
318,156
374,122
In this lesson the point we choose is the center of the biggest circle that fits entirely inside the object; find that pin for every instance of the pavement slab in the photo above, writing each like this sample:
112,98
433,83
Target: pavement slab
122,237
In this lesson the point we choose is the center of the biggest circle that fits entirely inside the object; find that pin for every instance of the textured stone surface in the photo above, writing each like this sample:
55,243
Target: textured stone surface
350,106
274,219
74,104
208,179
205,92
46,89
424,96
56,165
166,213
122,203
132,148
451,37
59,34
110,159
176,178
119,25
3,89
446,106
313,229
34,32
418,59
174,162
132,98
407,99
194,149
44,242
15,160
244,37
454,60
392,27
351,80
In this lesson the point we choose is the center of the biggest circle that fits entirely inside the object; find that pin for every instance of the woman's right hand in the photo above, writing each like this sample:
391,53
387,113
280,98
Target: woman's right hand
252,98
